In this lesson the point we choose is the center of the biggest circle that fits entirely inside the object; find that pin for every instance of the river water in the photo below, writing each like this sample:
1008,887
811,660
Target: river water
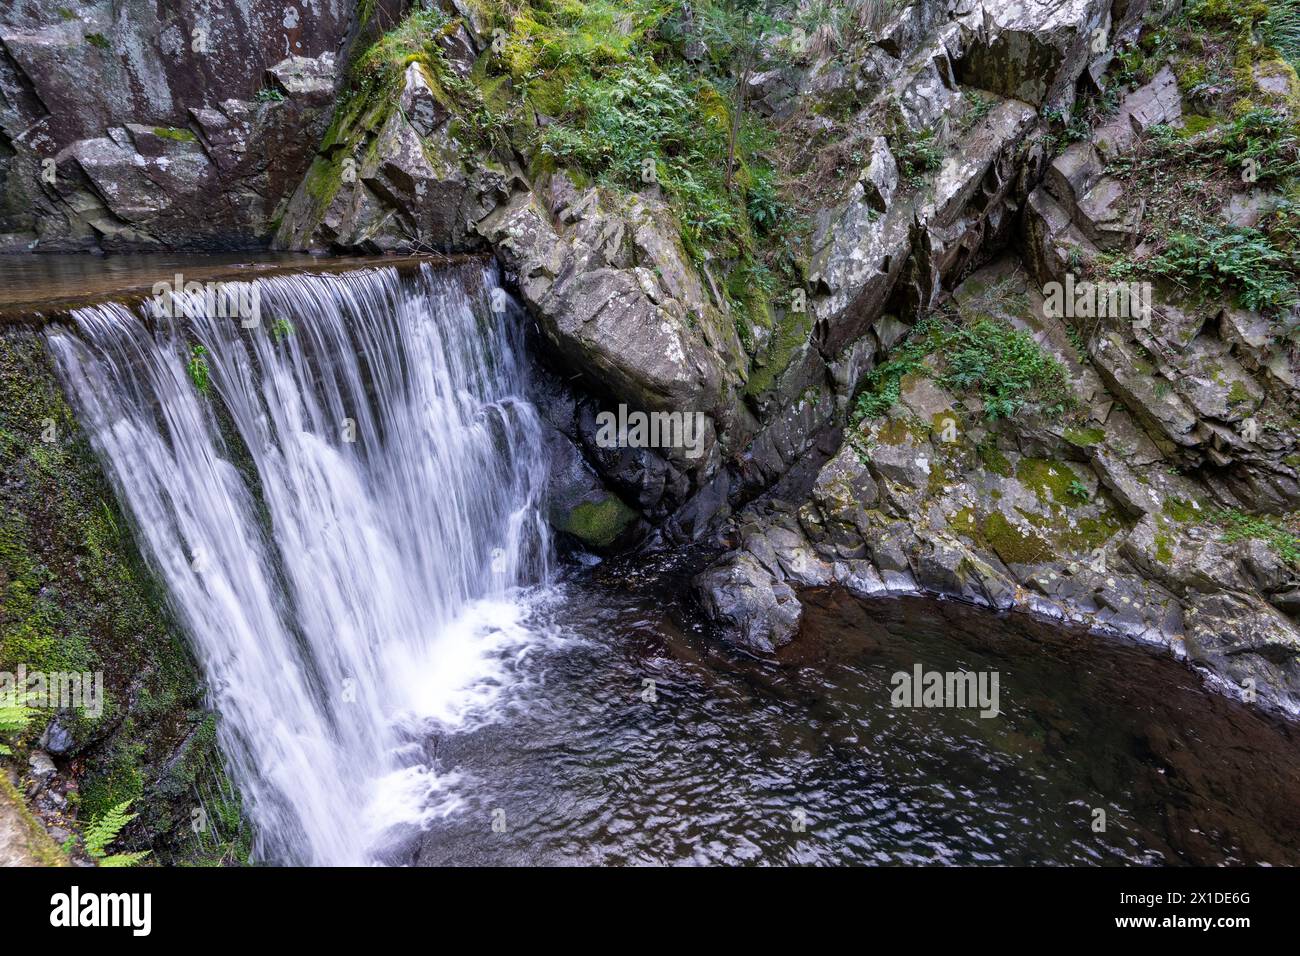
344,505
803,760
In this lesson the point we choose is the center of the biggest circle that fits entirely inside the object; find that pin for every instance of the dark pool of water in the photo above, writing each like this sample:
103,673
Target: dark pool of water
803,760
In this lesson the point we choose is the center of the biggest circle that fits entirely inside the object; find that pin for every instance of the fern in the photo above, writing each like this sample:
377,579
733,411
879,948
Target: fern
104,831
14,718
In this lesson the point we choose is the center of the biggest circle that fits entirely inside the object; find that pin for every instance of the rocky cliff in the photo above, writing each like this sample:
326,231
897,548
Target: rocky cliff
147,126
990,299
862,309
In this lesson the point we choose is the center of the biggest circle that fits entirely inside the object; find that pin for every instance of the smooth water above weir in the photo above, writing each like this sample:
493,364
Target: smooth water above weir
342,502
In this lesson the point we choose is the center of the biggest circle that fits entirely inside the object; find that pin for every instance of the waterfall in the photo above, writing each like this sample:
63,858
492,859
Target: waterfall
344,505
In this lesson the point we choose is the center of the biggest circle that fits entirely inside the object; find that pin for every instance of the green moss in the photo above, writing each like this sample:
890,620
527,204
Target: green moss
599,523
993,458
1163,552
1012,544
788,337
175,133
901,430
965,522
98,40
1049,480
1085,437
75,595
937,479
1238,394
1195,124
1181,511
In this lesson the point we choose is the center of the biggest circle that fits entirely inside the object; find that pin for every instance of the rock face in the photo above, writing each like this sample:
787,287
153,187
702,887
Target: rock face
393,176
124,126
1113,517
616,295
919,154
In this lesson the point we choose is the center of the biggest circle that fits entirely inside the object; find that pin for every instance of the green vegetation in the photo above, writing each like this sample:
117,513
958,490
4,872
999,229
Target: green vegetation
1004,367
269,94
98,41
599,523
1239,525
1234,133
76,595
916,154
197,368
1262,136
1280,29
1084,437
1217,259
175,134
629,113
15,715
103,831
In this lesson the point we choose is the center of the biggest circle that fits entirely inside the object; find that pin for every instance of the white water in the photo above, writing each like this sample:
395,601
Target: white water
343,597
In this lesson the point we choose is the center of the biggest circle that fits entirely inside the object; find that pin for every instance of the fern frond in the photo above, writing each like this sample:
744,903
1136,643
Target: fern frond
105,829
14,717
124,859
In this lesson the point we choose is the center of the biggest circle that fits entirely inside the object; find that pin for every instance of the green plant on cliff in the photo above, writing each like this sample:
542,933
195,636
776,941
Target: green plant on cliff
628,112
916,154
104,830
1003,366
1263,139
1006,367
1280,29
197,369
1239,525
1217,259
15,715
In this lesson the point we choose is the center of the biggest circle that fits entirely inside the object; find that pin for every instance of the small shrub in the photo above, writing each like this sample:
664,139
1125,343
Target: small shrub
1002,365
1280,29
15,715
917,155
1265,137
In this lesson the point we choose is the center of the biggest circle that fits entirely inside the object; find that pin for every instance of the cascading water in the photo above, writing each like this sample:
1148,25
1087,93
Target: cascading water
343,502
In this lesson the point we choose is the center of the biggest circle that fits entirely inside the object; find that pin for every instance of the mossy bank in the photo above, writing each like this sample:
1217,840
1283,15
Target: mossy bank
76,596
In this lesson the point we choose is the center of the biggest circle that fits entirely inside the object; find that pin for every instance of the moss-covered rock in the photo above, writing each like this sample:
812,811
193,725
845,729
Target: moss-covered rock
597,524
75,595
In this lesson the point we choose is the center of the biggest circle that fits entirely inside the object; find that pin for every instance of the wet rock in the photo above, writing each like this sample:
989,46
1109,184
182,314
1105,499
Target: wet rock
577,501
40,768
57,738
1251,647
758,612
